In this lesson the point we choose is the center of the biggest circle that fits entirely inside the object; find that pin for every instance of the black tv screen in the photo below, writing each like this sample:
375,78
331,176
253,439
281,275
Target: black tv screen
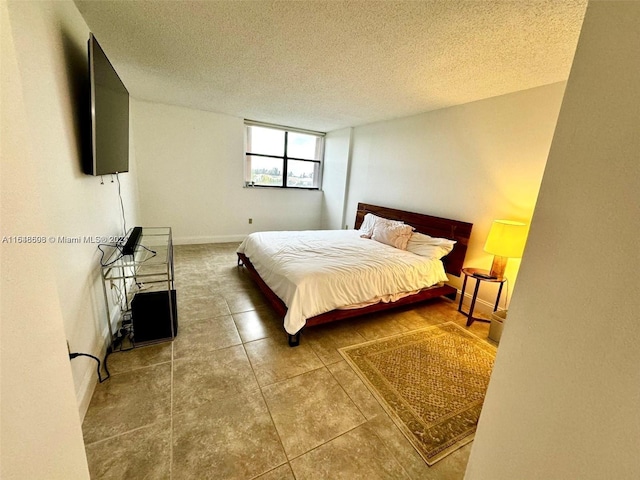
109,116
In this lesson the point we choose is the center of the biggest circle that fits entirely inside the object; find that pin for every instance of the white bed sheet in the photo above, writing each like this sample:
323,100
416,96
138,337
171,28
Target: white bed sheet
314,272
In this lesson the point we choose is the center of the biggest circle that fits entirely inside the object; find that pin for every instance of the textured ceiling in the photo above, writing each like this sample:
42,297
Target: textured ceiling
324,65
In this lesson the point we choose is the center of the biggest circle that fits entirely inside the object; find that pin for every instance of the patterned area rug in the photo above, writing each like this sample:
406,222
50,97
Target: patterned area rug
431,381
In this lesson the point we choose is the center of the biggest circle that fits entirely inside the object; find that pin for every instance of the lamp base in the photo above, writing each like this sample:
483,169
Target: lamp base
498,266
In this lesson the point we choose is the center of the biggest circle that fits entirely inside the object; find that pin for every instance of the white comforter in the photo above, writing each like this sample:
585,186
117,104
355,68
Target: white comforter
314,272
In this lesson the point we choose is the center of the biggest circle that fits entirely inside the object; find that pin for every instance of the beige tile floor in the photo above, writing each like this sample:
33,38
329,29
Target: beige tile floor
229,399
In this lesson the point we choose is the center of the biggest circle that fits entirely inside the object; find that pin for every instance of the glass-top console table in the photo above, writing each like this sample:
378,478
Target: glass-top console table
143,286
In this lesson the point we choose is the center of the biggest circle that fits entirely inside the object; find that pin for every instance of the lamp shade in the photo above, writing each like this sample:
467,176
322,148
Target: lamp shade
506,238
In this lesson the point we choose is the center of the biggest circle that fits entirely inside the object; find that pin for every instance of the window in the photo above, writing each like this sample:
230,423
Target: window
282,156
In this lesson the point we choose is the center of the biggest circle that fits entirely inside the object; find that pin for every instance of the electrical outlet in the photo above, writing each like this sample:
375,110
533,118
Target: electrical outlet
250,221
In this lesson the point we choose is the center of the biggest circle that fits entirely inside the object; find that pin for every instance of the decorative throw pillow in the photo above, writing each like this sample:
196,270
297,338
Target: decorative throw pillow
427,246
369,222
396,235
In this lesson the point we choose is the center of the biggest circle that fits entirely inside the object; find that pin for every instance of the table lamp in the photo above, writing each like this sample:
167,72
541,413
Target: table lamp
506,240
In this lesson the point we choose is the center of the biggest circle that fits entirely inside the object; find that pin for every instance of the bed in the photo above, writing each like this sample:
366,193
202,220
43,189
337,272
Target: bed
315,277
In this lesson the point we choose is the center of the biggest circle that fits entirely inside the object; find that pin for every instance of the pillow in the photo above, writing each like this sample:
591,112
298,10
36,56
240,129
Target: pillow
427,246
369,222
396,235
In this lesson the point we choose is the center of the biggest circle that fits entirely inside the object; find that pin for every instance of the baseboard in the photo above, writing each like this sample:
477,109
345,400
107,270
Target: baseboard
90,378
208,239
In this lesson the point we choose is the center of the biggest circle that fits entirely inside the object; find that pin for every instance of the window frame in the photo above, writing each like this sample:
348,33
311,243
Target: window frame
284,157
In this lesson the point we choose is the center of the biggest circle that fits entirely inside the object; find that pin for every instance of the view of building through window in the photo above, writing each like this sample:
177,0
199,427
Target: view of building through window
277,157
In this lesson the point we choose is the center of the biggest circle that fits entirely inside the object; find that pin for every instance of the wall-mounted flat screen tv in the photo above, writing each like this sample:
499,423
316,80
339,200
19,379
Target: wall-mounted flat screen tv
109,116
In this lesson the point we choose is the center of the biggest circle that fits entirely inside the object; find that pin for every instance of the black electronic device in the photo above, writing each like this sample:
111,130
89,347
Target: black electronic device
486,276
151,316
109,151
132,242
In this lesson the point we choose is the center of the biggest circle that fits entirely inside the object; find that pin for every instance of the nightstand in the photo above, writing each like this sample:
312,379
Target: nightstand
478,275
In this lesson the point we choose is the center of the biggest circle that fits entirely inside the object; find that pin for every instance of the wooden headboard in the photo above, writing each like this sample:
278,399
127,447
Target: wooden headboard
432,226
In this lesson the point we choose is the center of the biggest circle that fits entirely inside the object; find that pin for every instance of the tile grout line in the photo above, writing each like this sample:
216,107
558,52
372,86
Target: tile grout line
142,367
106,439
242,343
324,367
266,404
349,396
328,441
393,454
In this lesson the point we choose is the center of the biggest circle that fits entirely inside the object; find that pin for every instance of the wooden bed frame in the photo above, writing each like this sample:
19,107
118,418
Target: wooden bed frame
433,226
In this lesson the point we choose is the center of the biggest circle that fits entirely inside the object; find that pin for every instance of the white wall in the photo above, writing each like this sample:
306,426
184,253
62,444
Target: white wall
47,289
565,390
337,153
475,162
191,178
50,40
51,45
